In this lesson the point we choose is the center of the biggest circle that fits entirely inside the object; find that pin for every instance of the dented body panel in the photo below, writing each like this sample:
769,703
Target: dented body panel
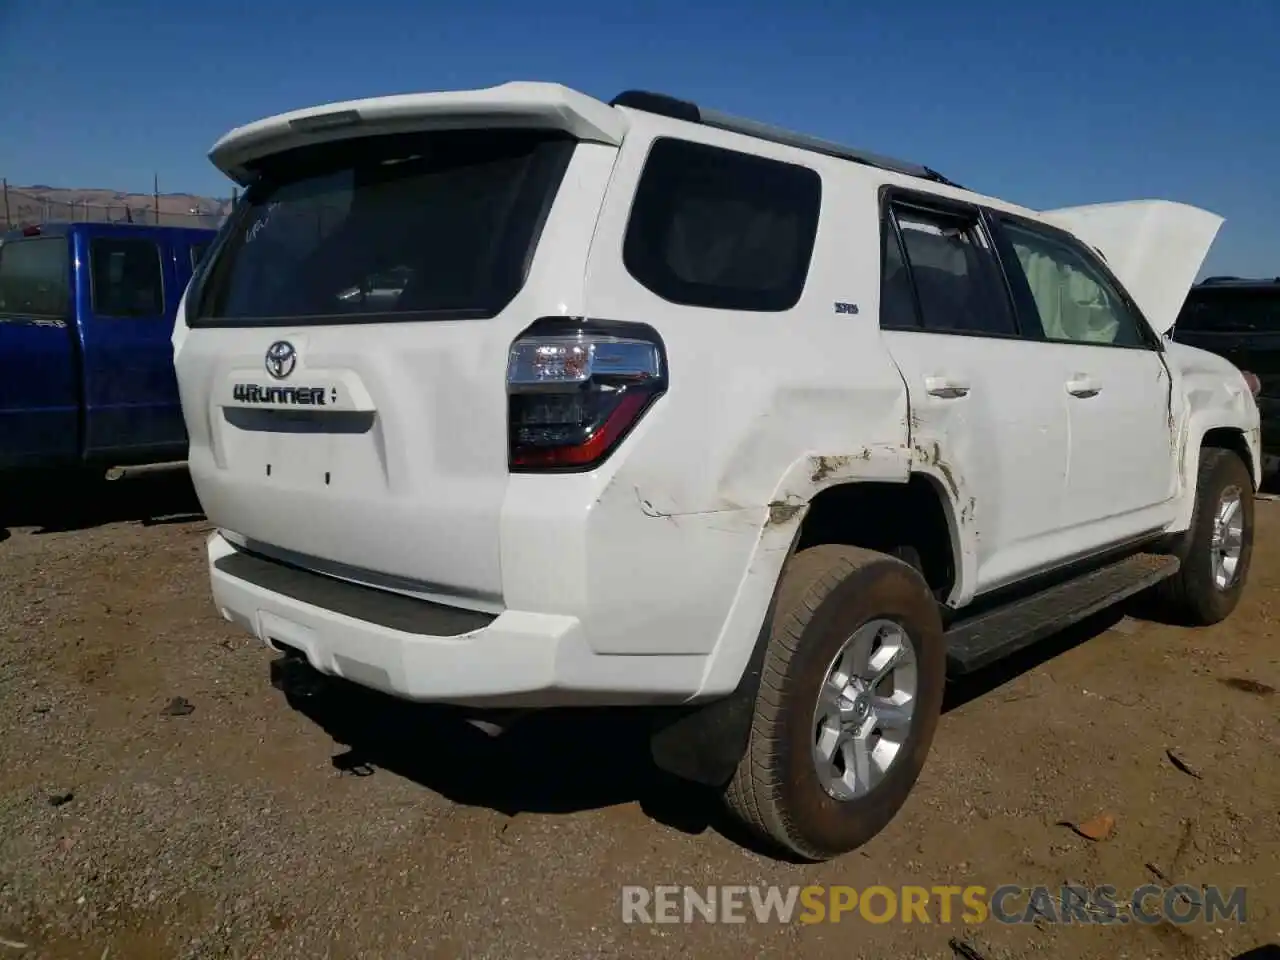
1209,394
764,411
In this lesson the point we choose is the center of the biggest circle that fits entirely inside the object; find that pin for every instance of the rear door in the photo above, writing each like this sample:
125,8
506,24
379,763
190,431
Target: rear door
343,367
988,413
39,391
1121,476
129,291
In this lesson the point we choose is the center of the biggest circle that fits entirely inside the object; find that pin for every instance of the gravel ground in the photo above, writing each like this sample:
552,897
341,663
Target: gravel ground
227,824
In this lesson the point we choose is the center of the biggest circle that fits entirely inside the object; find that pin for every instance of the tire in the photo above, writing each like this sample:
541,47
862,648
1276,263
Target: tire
1192,596
827,593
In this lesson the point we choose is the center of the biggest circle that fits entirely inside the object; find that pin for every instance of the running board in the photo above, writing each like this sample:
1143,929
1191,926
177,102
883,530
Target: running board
986,637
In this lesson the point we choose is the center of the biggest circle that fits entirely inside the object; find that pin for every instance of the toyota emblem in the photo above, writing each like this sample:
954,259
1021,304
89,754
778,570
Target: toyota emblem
281,359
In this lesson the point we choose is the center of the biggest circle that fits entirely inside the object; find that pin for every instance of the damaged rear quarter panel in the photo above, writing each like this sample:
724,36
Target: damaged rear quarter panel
763,411
725,521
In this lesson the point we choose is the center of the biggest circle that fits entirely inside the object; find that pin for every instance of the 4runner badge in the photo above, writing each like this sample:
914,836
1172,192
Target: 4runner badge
281,359
293,396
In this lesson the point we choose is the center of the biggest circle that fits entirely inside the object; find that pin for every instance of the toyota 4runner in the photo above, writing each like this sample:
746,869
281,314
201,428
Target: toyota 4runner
512,398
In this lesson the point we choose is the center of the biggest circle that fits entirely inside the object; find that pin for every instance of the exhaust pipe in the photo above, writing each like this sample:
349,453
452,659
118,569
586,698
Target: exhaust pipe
494,723
144,469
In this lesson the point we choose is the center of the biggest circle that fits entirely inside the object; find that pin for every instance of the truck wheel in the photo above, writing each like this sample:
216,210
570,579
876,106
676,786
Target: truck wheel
1217,548
849,699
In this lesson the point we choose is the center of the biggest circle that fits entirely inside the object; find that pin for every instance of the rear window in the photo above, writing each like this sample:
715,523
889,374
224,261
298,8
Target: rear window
128,280
438,225
717,228
35,277
1224,310
198,250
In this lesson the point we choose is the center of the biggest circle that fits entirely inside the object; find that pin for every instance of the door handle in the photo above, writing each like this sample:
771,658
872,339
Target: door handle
947,388
1082,385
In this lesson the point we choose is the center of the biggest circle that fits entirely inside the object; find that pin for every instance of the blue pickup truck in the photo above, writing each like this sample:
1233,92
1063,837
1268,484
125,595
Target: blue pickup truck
86,362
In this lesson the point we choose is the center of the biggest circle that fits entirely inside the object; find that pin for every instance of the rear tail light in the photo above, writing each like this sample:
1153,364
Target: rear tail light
576,389
1255,385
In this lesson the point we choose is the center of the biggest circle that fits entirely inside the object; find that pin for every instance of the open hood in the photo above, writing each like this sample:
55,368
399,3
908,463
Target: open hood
1154,247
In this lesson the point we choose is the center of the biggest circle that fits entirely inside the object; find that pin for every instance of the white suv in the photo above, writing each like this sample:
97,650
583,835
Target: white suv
664,407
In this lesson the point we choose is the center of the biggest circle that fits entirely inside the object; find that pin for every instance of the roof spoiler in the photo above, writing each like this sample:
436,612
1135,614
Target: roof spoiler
546,106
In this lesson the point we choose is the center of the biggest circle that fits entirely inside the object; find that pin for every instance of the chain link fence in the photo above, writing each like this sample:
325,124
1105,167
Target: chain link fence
24,208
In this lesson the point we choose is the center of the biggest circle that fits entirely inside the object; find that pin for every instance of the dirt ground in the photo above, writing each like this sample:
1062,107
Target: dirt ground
231,825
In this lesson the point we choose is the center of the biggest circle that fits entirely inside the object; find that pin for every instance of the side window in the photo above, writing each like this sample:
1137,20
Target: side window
897,300
198,250
35,277
127,278
955,273
717,228
1074,299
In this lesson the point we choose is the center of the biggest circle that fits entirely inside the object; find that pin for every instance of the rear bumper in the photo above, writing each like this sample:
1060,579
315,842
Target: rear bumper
382,640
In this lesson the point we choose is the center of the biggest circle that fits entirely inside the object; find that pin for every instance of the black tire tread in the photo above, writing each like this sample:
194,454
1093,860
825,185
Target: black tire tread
753,793
1179,595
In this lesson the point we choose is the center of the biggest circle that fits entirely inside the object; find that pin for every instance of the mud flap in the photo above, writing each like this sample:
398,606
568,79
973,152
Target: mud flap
704,743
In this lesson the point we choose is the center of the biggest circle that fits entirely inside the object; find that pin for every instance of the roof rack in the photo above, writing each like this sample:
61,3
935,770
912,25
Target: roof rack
677,109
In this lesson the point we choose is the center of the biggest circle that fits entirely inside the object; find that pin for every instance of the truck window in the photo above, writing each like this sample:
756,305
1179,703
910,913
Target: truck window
1245,309
128,279
198,250
434,225
717,228
35,277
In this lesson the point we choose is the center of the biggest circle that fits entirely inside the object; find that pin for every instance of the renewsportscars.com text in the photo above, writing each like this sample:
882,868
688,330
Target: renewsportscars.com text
1007,904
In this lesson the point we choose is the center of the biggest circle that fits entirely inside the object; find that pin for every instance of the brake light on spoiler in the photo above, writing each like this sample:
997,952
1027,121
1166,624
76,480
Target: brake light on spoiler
576,388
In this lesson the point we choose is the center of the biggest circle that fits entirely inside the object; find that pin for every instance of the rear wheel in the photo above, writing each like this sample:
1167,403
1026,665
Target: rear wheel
1217,549
848,703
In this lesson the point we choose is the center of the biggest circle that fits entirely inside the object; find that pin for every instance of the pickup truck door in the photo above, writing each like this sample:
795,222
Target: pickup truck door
1121,475
128,291
39,391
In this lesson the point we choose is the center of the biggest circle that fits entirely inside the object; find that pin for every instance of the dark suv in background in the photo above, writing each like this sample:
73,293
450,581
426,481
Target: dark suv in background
1239,319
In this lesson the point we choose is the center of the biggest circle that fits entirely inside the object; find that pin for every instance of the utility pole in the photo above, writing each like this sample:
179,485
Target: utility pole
7,222
155,192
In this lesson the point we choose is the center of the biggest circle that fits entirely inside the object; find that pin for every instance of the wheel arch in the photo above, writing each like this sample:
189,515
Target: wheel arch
1233,439
703,741
1210,433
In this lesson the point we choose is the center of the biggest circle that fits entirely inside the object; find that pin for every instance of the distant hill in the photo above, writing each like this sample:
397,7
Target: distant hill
36,203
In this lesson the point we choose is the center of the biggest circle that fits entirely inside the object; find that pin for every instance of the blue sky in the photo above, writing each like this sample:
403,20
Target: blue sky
1044,104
